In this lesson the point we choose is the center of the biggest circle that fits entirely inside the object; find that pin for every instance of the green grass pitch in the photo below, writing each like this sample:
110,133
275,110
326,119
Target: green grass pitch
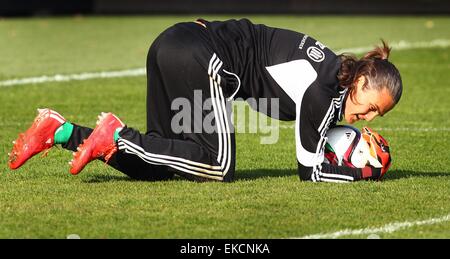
267,200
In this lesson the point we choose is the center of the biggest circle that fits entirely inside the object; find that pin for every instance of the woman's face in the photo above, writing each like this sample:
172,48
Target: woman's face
367,103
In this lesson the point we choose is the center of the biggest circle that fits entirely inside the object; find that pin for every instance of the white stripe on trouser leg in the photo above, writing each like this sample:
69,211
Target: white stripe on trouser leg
123,143
227,132
216,104
131,148
175,162
179,168
186,165
222,120
319,176
216,70
217,120
132,151
211,61
332,180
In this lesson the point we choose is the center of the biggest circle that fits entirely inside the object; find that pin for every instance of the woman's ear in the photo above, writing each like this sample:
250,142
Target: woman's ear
358,85
361,83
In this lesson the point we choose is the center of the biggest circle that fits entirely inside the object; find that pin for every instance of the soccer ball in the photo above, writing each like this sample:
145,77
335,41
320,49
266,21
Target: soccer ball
347,146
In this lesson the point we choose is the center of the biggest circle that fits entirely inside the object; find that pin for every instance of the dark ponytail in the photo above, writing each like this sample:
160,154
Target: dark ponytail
378,71
380,52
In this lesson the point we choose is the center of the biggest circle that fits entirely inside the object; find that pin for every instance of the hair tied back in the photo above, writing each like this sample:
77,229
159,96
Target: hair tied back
380,52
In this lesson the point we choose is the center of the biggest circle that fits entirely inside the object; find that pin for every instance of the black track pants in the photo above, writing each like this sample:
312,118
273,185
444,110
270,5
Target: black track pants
181,68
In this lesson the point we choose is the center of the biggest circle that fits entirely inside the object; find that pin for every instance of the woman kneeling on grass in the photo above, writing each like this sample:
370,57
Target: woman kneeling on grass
226,60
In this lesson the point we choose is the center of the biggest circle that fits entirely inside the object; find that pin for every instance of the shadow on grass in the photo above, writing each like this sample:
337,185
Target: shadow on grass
391,175
263,173
99,178
241,175
246,175
402,174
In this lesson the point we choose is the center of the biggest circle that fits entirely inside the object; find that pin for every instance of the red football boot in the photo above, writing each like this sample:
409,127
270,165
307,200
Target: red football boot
39,137
100,144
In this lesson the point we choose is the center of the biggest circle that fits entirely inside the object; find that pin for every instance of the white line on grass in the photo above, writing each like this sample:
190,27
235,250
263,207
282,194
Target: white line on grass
73,77
388,129
389,228
401,45
414,129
